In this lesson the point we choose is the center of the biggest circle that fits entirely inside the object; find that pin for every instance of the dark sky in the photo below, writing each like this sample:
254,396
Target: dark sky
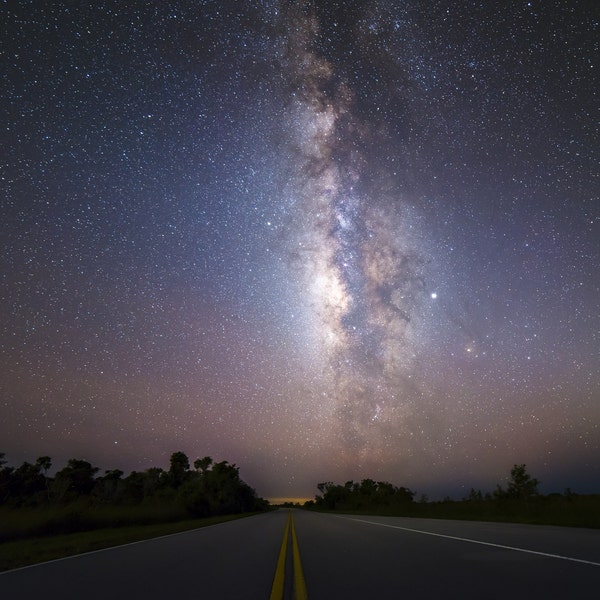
323,240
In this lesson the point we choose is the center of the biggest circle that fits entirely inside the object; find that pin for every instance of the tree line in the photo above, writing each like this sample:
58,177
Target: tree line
210,488
382,495
367,494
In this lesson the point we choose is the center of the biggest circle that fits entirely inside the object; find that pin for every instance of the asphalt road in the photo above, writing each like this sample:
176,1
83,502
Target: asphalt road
342,557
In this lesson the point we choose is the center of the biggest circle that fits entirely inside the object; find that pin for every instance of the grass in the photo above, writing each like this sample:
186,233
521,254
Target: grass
28,551
19,523
577,511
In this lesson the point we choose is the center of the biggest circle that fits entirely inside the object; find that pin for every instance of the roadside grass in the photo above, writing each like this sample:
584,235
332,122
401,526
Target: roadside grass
576,511
29,551
19,523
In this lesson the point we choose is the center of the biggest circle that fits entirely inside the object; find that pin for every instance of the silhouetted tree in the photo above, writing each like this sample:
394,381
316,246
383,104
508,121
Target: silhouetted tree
499,493
368,487
521,484
218,491
202,464
474,496
179,468
333,495
133,491
212,491
77,478
44,463
28,485
385,493
155,479
404,495
364,495
6,477
322,487
110,487
139,487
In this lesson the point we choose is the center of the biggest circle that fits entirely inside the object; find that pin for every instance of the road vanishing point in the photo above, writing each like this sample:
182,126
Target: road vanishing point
301,554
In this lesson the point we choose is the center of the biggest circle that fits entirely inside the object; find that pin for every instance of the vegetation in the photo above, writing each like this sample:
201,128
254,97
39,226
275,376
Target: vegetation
22,552
78,510
366,495
520,502
77,499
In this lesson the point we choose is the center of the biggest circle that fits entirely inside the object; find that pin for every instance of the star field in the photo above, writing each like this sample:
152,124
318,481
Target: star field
323,241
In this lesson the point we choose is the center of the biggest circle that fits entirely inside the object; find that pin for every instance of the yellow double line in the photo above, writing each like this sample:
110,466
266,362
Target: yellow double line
279,579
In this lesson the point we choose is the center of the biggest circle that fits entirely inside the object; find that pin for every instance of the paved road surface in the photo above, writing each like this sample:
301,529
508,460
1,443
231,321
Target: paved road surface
374,559
342,557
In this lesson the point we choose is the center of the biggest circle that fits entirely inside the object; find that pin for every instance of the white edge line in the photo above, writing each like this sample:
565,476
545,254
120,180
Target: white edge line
160,537
452,537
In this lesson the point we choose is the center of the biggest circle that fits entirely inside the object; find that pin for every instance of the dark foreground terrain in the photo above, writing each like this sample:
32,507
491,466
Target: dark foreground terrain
341,556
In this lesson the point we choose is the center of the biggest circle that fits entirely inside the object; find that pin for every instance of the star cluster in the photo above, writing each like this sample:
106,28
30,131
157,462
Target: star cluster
322,240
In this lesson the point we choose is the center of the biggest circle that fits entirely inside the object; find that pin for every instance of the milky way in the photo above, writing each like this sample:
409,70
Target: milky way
324,241
360,265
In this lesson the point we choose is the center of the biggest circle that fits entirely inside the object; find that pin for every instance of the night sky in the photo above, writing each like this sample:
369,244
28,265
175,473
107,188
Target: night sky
320,240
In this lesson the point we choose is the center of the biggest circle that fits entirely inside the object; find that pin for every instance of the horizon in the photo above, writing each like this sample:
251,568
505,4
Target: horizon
455,491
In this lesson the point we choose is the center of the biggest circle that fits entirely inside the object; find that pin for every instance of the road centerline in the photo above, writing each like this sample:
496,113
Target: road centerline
298,587
461,539
279,578
299,583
